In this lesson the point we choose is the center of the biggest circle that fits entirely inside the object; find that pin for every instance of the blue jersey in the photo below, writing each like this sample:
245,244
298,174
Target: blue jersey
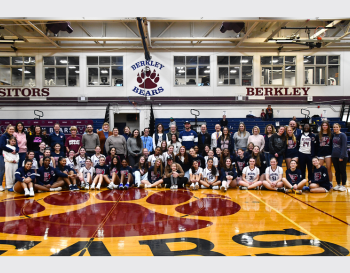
21,172
189,139
45,176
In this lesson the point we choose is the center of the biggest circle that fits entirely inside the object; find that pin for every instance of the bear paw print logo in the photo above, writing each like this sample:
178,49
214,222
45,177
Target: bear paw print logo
147,79
119,215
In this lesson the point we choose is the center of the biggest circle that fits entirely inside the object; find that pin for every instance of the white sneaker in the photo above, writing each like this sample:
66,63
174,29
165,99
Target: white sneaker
98,187
196,186
26,192
215,187
342,188
110,186
225,189
56,189
31,193
244,188
336,188
87,186
192,187
175,187
222,188
1,188
82,185
92,186
172,187
203,187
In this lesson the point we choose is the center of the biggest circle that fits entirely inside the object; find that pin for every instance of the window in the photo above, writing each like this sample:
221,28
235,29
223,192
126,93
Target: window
105,70
61,71
192,70
17,71
278,70
322,70
235,70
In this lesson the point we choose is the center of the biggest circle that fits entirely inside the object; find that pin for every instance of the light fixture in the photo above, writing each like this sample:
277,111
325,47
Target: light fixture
244,61
71,67
181,71
104,71
233,71
27,72
206,71
63,61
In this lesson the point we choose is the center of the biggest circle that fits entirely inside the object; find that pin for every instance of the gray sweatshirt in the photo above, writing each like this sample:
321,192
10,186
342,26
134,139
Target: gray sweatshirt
90,141
118,142
339,146
132,146
240,140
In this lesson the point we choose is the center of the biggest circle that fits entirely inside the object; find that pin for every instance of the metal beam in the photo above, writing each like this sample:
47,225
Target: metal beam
166,29
133,32
42,33
138,39
208,32
88,33
247,33
276,31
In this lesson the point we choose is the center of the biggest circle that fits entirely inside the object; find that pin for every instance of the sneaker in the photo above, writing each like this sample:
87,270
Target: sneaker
215,187
121,186
243,188
76,188
1,188
196,186
342,188
222,188
82,185
92,186
26,192
263,188
71,188
141,185
175,187
192,187
165,185
31,193
298,191
126,186
10,189
280,190
98,187
56,189
305,188
336,188
203,187
110,186
172,187
87,186
287,190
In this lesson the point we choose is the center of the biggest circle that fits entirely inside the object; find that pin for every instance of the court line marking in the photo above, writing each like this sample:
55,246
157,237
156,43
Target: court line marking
303,229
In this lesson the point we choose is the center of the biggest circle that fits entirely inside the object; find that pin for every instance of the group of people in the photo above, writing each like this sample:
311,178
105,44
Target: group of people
33,163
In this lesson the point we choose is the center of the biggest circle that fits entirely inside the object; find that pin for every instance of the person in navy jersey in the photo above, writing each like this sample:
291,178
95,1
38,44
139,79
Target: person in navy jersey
228,175
57,153
291,147
147,140
294,125
294,180
46,177
25,179
319,182
203,139
188,137
67,174
339,157
35,139
102,175
57,137
325,144
241,163
196,157
269,131
155,175
126,177
307,146
114,171
39,155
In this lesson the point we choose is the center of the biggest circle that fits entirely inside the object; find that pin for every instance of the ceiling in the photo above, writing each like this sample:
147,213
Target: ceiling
172,34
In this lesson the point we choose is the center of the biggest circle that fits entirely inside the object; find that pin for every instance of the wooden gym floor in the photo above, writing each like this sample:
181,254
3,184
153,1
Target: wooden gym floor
161,222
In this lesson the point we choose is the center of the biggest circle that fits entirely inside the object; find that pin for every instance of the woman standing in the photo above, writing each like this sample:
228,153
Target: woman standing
3,142
306,142
278,145
127,133
35,139
118,142
163,147
159,136
324,145
269,131
134,145
339,157
21,137
291,147
225,141
103,135
256,138
241,137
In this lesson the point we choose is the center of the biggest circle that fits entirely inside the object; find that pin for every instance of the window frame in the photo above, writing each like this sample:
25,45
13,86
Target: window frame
11,66
229,66
283,66
326,66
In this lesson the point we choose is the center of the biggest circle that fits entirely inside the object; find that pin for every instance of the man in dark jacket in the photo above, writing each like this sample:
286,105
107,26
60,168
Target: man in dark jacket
203,139
57,137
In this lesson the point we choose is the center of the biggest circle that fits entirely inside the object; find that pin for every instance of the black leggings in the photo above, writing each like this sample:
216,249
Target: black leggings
340,170
180,181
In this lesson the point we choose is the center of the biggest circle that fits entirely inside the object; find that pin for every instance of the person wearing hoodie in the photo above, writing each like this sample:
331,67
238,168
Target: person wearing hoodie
277,143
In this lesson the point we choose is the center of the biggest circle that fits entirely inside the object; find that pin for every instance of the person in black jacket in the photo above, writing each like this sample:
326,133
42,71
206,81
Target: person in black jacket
224,121
277,145
34,140
203,139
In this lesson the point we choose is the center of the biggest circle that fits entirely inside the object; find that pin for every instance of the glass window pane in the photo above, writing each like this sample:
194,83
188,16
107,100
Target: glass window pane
333,75
16,79
223,76
234,75
73,76
5,76
49,76
247,75
320,75
104,76
309,59
29,76
117,60
265,60
61,61
309,75
104,60
235,60
61,75
191,60
277,75
222,59
321,59
266,75
73,60
92,60
17,61
179,60
29,60
289,76
117,75
93,76
289,60
191,74
180,75
277,60
247,60
204,60
4,60
49,60
203,75
333,59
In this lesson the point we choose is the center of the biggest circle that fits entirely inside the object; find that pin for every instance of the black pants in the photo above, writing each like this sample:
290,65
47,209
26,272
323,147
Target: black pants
180,181
133,159
340,170
90,154
305,160
121,156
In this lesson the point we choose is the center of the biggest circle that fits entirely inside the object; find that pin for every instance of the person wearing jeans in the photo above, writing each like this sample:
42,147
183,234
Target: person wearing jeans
339,157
